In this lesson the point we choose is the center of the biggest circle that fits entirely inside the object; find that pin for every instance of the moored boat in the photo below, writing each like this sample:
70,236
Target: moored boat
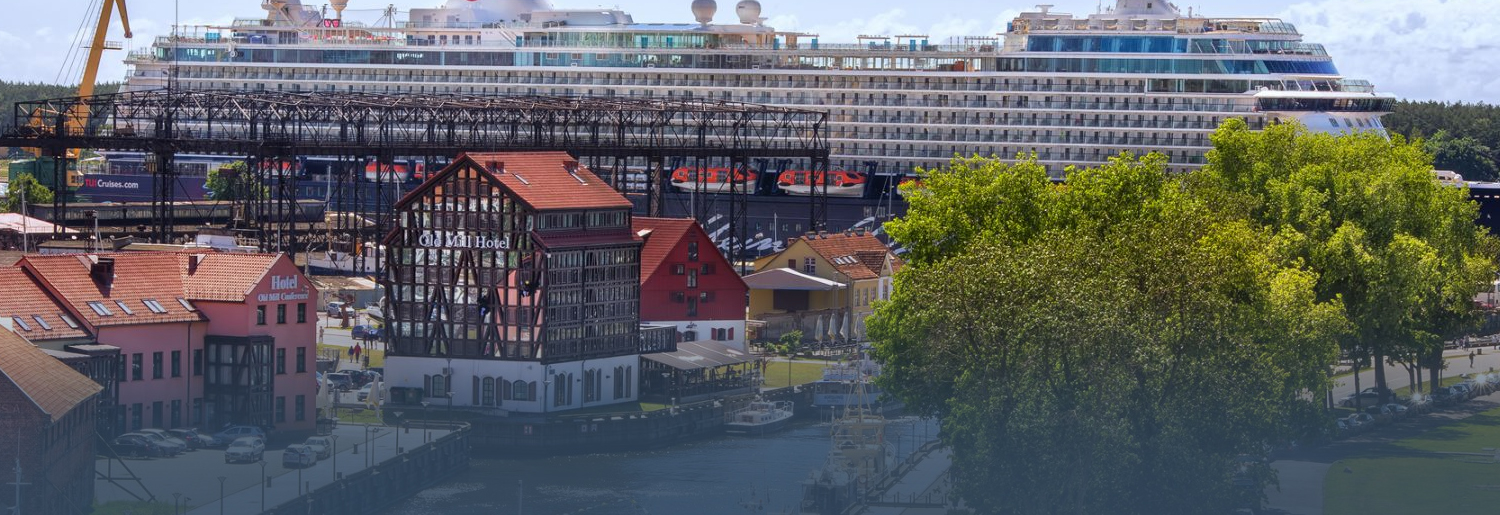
759,417
715,180
839,183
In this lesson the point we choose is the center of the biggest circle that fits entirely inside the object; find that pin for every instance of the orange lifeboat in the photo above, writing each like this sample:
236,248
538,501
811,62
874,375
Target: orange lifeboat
839,183
715,180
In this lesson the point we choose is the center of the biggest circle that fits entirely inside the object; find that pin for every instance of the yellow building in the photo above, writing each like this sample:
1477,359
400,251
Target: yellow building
817,283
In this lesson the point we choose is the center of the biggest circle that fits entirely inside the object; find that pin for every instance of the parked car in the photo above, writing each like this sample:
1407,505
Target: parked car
137,445
194,438
341,381
248,449
232,433
322,446
1366,396
1462,391
169,437
298,456
364,392
365,331
334,308
172,446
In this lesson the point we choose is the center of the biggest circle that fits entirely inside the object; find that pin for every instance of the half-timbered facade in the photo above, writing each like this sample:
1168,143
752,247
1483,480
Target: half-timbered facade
513,281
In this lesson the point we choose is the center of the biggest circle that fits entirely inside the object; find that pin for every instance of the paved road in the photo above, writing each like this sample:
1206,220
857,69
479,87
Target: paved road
1397,378
195,474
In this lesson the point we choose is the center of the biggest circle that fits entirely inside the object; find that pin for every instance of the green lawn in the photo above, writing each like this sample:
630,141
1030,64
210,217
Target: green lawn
1422,484
801,373
1404,486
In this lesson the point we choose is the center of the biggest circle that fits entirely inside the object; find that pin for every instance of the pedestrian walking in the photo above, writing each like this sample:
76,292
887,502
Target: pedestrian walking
1471,359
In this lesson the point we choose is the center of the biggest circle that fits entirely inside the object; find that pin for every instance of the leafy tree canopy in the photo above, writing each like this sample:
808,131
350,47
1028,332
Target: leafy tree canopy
234,182
35,193
1109,345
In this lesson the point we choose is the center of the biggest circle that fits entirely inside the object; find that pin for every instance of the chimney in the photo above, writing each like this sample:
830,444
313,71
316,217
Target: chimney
859,231
103,270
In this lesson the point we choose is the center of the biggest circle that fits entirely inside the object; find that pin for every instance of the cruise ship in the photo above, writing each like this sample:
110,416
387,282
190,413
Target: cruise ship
1073,90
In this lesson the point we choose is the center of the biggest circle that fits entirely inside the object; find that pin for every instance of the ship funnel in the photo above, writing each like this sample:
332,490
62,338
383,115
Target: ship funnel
748,11
338,7
703,11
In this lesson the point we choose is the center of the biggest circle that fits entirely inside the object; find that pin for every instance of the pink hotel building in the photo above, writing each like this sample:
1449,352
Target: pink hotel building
206,338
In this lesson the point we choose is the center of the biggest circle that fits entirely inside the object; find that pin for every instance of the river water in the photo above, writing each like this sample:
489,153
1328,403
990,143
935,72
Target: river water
716,475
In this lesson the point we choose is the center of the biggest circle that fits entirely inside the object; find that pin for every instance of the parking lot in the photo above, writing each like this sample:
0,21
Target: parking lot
192,478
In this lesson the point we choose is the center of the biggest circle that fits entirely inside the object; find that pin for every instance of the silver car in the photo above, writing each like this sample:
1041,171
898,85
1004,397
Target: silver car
169,437
171,447
320,445
248,449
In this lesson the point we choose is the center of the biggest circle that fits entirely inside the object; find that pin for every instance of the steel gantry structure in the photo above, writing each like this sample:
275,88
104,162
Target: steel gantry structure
626,141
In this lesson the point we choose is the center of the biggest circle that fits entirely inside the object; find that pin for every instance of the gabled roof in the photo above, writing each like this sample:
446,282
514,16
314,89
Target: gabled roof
50,385
859,256
661,235
137,277
21,296
225,277
544,181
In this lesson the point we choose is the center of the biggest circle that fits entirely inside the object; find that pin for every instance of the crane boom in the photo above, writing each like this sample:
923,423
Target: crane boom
96,48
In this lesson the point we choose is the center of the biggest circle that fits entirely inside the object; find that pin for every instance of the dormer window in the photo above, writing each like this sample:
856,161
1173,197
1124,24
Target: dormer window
154,306
100,309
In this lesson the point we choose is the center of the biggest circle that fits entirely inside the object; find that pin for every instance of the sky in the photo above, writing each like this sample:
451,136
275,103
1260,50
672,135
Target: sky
1446,50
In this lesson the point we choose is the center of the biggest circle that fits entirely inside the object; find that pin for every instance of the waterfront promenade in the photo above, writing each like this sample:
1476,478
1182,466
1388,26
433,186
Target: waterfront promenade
194,476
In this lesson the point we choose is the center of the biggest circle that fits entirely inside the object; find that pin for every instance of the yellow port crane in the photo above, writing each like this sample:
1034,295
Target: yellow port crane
78,115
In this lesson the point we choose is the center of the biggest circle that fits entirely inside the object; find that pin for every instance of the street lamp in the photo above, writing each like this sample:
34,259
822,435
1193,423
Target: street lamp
335,456
398,431
424,421
221,494
263,479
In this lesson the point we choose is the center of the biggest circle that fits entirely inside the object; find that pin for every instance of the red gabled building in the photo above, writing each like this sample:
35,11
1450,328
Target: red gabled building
686,282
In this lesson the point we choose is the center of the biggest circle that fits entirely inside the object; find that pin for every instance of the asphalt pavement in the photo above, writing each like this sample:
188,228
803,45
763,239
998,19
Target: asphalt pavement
192,478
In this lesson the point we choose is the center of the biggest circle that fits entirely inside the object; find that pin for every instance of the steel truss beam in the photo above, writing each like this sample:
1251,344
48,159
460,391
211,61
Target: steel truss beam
273,129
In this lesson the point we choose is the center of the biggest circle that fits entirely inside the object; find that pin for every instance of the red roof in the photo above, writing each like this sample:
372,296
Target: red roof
50,385
541,180
137,277
665,234
226,277
859,256
21,296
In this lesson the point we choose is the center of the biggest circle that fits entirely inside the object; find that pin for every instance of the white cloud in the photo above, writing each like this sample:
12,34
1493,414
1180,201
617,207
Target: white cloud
1417,49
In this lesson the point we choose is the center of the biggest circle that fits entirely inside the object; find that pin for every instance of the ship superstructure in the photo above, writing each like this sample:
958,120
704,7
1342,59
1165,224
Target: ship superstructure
1075,90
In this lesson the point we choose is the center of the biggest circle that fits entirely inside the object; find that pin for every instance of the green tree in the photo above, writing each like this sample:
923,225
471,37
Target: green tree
790,343
1464,155
35,193
1401,251
1110,345
234,182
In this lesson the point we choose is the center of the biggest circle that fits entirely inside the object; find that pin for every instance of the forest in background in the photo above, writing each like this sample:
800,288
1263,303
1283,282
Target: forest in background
1464,138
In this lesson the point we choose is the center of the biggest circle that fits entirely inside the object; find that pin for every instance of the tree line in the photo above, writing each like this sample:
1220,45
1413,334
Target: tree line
13,92
1132,341
1463,138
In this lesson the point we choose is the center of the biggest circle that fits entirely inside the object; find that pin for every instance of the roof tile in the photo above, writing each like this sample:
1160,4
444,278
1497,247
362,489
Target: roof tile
21,296
52,386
